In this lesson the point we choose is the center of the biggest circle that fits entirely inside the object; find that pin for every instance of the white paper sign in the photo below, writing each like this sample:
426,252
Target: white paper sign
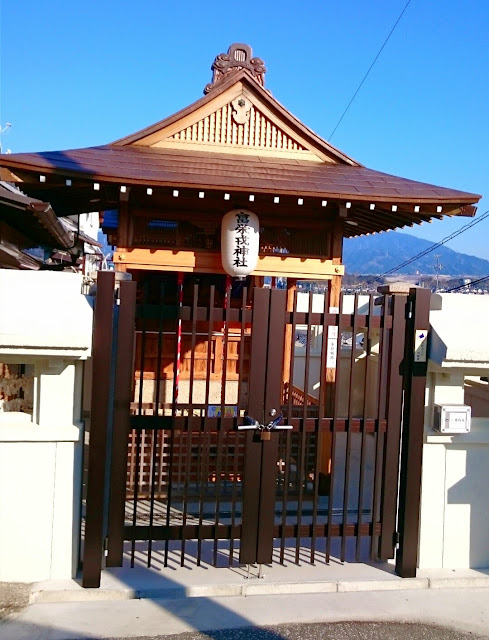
421,345
457,421
332,347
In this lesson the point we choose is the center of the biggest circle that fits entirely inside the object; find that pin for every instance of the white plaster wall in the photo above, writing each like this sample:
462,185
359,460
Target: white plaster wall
47,323
459,336
454,526
46,314
39,506
454,530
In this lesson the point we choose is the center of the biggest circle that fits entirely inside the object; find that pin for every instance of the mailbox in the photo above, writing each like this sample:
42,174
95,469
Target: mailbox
452,418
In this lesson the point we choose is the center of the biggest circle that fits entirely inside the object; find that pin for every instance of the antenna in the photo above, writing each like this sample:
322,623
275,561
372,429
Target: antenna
3,130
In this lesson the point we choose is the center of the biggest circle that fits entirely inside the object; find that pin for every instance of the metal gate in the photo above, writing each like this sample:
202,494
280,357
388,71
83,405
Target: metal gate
188,486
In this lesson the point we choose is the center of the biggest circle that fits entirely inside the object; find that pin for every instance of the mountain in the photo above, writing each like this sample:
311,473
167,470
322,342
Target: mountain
378,253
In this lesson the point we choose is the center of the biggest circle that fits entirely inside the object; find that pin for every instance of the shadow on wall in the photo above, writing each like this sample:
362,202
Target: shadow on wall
466,526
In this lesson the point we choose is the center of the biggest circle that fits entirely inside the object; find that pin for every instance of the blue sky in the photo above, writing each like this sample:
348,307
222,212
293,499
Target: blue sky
75,74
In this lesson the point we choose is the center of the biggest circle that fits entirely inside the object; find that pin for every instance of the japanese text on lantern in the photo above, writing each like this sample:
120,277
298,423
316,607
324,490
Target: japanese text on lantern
241,240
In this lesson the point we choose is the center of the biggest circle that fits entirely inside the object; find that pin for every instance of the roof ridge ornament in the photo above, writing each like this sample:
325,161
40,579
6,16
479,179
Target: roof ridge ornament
239,56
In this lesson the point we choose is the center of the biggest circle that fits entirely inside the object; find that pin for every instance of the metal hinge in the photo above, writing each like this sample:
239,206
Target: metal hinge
396,538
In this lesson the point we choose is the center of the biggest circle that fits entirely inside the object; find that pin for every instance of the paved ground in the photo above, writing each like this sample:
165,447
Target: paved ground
339,631
13,598
280,617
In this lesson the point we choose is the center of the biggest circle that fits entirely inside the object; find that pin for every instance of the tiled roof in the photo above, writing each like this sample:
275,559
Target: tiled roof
175,167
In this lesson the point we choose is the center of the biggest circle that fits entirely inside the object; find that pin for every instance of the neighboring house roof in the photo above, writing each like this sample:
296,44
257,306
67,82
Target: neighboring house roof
78,234
33,218
14,258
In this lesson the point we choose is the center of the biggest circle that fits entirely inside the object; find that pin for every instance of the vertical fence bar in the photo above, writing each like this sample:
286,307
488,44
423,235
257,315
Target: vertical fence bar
363,435
102,358
412,434
176,380
289,366
156,411
346,486
390,474
301,472
335,429
225,349
237,439
204,448
380,436
190,420
319,430
138,432
122,404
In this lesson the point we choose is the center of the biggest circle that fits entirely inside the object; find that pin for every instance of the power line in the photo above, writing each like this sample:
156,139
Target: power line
463,229
369,69
462,286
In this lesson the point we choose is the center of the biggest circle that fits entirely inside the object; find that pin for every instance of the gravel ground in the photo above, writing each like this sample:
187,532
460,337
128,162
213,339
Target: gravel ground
336,631
14,596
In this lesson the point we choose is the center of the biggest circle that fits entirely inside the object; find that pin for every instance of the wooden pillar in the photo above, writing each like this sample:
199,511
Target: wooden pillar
329,387
124,233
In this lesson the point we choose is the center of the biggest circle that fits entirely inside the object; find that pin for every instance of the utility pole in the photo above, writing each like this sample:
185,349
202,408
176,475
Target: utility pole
438,267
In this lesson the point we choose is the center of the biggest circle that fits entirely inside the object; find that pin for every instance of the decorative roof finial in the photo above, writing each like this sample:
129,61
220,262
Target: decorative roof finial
239,56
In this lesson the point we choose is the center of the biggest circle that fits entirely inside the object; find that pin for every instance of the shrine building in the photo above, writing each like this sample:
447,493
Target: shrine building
233,404
165,189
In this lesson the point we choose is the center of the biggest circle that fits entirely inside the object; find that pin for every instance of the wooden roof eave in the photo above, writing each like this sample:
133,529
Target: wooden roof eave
29,168
247,78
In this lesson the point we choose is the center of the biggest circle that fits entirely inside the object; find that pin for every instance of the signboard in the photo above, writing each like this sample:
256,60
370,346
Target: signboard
214,411
421,345
332,349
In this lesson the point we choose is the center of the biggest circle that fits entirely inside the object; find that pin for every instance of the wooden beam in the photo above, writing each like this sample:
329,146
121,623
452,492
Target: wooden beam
210,262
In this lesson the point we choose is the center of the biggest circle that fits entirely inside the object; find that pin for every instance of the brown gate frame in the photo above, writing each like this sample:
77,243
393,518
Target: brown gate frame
414,373
269,312
265,387
101,452
390,475
99,415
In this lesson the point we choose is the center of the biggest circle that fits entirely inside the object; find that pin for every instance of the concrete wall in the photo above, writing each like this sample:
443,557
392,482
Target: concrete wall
47,324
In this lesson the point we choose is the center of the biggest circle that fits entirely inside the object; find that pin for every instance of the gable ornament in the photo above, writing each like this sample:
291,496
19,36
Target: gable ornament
241,109
239,56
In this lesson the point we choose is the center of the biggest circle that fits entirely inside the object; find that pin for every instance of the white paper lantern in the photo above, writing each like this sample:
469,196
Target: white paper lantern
240,242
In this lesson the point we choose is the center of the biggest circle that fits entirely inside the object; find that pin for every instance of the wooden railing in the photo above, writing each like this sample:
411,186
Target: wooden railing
299,398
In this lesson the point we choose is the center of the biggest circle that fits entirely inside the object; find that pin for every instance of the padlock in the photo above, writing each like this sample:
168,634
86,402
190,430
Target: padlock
265,435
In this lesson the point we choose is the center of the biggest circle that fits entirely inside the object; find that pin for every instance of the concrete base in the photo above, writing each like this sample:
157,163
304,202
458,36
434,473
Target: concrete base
286,596
128,584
